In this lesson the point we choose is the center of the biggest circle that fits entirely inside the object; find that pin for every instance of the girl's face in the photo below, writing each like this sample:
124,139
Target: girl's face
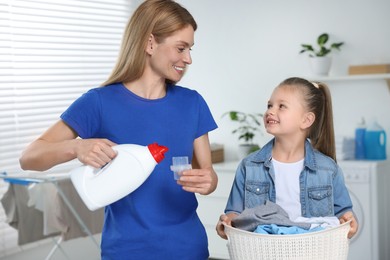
285,114
170,57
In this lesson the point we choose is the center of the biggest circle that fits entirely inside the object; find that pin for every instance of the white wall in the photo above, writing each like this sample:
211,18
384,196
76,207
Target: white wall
243,49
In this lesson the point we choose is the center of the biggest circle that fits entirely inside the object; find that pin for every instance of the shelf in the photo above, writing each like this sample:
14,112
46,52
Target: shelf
353,77
385,76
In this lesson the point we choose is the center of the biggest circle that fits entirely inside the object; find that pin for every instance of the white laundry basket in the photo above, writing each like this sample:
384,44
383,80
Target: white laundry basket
329,244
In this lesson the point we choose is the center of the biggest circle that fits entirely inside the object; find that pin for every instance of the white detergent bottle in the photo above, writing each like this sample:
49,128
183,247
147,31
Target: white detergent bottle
125,173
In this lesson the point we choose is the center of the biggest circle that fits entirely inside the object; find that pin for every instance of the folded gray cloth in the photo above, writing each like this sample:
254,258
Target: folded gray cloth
269,213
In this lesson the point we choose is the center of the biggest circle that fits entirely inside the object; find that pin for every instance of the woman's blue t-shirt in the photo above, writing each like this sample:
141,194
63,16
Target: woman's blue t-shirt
159,219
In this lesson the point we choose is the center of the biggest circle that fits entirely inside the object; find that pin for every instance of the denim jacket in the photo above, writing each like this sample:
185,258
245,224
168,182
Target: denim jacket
322,188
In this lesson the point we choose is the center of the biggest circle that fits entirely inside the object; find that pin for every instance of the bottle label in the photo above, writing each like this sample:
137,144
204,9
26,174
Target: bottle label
375,145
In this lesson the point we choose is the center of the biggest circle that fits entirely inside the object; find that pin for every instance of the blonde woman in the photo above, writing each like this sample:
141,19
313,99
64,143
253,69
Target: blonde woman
140,103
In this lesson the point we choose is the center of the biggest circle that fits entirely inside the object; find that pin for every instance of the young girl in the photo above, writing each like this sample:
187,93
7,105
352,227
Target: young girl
297,169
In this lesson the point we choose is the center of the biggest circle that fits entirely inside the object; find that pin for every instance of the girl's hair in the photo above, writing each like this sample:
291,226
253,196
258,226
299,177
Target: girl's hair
317,99
158,17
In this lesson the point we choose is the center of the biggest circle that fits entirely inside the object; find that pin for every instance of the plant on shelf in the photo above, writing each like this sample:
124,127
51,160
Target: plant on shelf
248,126
320,60
322,49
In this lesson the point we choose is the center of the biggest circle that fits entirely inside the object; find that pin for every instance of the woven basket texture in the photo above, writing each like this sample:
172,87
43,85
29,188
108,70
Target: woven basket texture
328,244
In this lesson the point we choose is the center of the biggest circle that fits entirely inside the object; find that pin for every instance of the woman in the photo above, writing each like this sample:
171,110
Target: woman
141,104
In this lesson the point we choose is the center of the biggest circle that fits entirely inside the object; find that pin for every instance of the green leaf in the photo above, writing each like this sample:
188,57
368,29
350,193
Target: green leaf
307,46
322,39
336,45
233,115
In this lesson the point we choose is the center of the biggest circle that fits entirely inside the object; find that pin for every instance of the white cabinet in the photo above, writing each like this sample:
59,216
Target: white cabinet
213,205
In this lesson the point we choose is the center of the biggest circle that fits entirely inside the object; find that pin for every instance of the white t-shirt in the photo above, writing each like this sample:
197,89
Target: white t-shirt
287,186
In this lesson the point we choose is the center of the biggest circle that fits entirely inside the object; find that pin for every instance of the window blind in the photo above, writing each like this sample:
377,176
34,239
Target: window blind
51,52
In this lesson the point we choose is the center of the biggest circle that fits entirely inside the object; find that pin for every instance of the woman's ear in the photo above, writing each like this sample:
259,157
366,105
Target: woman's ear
308,120
150,45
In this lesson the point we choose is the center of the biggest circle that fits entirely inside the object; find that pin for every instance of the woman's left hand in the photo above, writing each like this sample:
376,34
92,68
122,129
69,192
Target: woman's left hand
354,225
202,181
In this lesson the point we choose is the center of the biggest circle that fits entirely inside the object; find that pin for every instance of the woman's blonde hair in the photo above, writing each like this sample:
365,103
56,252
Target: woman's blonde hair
317,98
158,17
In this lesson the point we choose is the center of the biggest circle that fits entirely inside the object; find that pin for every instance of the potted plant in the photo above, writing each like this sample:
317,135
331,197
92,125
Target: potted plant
248,126
319,57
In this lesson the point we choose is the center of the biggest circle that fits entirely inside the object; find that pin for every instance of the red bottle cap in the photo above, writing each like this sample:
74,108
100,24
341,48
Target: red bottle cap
157,151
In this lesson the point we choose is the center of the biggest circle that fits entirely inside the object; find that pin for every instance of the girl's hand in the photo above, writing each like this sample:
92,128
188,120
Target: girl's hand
227,219
202,181
354,225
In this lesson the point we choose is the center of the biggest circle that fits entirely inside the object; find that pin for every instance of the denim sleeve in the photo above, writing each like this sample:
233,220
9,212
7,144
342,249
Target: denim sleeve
236,198
342,200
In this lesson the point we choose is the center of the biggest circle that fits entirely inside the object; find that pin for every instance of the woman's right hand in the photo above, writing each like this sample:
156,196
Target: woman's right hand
95,152
60,144
227,219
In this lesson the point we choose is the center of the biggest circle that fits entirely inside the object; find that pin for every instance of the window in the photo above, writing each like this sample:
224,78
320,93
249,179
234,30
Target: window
51,51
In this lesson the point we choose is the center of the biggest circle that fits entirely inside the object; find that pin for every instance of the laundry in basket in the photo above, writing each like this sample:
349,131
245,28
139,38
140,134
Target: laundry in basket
327,244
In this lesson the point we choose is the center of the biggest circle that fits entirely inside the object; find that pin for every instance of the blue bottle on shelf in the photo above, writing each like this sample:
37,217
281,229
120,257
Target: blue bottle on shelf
360,131
375,142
